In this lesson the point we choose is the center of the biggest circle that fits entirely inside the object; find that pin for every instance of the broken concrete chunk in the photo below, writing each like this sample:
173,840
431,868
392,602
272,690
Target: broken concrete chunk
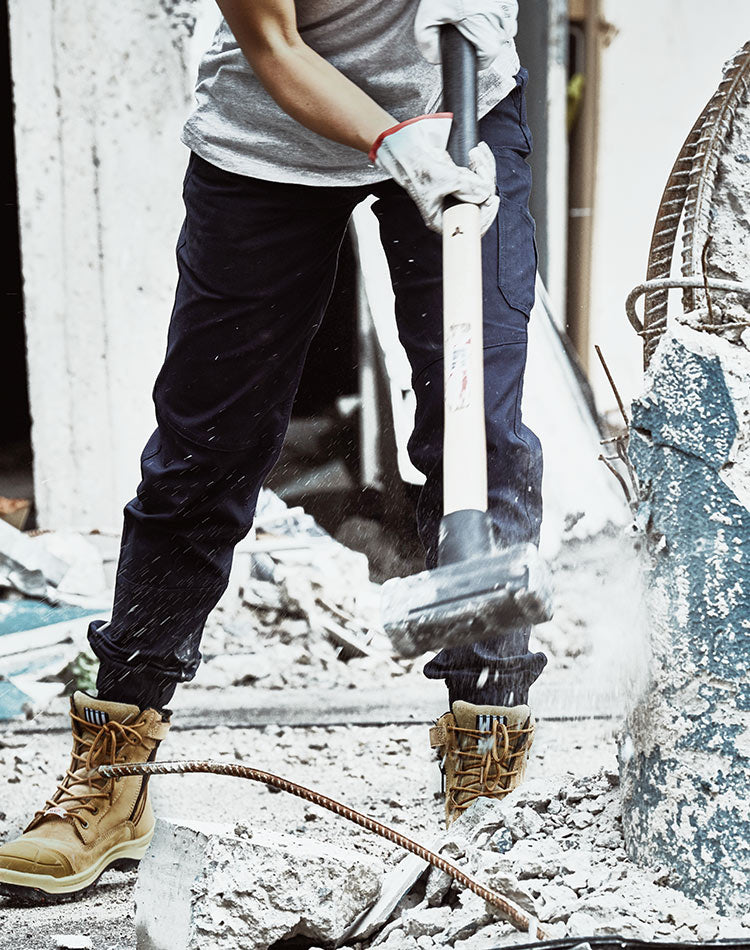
28,555
495,934
424,921
522,822
558,899
492,873
581,924
438,885
72,942
471,914
397,940
200,885
397,882
84,575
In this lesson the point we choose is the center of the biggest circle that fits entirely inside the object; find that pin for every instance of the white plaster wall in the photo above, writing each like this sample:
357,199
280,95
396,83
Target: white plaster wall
101,90
662,65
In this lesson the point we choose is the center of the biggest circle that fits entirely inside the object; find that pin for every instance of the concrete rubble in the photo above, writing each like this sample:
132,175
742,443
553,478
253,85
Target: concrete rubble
25,565
556,848
51,584
201,886
300,611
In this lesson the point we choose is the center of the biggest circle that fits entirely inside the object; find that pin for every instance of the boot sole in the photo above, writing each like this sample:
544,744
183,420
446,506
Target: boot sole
125,856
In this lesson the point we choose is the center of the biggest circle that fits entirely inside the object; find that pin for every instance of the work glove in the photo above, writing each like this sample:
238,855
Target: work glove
489,24
414,155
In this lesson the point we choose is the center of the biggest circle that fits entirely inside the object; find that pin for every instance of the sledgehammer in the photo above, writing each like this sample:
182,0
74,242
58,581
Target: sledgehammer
477,591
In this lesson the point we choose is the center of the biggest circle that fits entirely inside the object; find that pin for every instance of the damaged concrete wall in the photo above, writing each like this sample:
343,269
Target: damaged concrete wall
101,91
685,756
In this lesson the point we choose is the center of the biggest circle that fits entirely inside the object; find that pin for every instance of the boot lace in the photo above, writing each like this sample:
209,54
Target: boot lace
487,761
90,750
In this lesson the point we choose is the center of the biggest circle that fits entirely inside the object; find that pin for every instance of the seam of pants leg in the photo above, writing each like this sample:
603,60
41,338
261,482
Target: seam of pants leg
528,456
164,418
489,346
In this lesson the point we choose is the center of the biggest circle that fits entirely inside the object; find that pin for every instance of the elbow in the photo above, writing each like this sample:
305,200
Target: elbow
267,51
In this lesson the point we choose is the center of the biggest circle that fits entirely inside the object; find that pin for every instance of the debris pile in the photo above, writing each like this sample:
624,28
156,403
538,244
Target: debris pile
555,847
301,612
51,585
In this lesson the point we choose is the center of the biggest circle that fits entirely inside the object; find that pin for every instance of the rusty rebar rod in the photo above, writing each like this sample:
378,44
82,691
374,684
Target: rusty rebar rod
730,286
520,920
687,197
617,475
611,380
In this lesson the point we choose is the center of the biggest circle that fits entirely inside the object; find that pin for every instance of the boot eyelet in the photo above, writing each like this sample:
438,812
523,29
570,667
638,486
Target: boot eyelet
84,824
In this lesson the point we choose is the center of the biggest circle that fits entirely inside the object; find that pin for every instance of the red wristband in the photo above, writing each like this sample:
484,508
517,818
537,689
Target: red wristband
379,140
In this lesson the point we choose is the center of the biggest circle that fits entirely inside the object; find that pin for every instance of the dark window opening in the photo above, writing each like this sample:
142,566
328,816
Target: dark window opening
15,421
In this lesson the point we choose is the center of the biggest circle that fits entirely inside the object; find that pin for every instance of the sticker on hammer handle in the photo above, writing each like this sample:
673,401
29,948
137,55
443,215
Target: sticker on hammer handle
458,349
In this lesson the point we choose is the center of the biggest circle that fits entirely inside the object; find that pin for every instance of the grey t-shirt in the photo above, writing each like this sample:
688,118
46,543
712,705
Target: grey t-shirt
237,126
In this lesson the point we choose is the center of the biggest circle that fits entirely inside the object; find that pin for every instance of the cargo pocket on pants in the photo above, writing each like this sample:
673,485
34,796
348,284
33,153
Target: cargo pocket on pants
517,256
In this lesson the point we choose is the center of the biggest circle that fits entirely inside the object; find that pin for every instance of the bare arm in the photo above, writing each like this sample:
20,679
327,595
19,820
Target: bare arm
304,84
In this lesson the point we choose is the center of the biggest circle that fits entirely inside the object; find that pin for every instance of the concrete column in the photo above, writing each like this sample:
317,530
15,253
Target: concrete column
101,90
685,754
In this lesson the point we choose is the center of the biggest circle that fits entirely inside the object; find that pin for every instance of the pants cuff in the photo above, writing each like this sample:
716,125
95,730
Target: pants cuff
502,683
133,683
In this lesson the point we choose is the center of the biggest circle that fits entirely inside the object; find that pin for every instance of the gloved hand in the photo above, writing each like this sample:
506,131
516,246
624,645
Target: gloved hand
489,24
414,155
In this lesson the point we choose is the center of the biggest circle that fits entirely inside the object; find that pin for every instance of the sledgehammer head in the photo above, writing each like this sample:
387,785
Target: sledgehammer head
461,603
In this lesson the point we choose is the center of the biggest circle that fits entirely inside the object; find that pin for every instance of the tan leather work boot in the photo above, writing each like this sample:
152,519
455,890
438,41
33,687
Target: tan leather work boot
90,822
484,751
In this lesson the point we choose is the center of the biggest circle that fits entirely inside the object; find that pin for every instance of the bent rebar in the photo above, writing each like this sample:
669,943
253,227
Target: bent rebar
520,920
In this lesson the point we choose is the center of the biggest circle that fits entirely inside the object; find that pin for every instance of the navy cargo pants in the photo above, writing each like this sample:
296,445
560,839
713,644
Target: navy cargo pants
257,262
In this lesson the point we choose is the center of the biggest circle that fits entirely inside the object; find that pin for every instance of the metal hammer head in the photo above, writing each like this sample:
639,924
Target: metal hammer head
467,601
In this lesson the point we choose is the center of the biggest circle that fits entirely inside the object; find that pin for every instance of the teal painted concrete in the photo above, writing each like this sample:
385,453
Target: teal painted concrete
12,700
685,761
28,614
